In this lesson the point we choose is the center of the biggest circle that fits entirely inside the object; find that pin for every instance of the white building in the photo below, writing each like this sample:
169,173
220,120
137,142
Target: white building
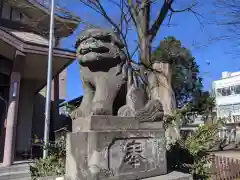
227,93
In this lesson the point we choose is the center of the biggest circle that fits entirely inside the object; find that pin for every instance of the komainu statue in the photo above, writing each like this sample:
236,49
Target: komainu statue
140,105
100,55
106,75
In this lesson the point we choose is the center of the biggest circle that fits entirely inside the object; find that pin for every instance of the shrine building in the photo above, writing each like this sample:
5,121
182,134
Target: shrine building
24,29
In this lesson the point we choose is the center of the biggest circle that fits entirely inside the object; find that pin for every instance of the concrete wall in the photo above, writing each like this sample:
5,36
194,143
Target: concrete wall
63,85
228,100
40,109
38,116
227,82
58,92
31,113
25,114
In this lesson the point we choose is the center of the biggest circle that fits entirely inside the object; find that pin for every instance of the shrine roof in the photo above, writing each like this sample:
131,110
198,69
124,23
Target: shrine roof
38,13
29,37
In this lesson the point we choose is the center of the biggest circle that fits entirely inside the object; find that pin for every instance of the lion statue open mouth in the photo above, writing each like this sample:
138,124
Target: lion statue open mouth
100,54
99,45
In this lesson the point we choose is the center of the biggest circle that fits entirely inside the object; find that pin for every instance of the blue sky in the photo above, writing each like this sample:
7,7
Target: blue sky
186,28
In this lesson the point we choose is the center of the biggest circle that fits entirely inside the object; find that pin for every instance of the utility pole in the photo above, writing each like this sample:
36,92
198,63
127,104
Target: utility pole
49,79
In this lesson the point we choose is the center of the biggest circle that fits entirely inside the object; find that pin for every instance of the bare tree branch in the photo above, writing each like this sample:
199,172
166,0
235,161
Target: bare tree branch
139,12
162,15
91,5
183,10
123,16
227,17
134,15
136,49
126,27
167,6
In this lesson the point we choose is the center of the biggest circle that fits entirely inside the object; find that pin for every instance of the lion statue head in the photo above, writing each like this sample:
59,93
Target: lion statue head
97,45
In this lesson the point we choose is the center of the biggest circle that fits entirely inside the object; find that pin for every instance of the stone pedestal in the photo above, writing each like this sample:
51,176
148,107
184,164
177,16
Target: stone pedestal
115,148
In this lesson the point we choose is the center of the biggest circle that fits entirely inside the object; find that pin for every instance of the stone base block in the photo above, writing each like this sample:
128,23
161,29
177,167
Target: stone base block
114,153
112,123
172,176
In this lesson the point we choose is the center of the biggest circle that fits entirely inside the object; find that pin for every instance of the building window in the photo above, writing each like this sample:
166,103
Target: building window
237,89
226,91
236,108
11,13
6,11
233,90
219,92
16,15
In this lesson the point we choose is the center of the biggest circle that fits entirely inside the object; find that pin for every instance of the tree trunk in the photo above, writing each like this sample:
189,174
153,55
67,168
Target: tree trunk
144,54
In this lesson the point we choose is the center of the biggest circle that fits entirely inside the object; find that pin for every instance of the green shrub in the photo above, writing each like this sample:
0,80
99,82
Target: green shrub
191,154
54,164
